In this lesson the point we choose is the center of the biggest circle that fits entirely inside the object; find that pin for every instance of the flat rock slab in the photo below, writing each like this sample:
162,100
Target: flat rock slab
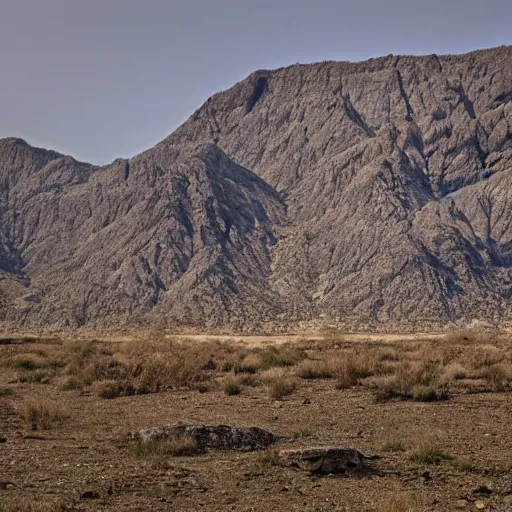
326,460
222,437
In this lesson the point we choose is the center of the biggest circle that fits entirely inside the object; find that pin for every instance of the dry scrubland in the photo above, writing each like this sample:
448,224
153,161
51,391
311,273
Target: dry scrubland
436,412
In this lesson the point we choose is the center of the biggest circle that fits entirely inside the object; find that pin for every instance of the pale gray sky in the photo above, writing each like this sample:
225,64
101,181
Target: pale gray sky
100,79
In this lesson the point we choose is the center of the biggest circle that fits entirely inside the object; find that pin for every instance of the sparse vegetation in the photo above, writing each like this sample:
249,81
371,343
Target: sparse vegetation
71,384
403,502
232,387
178,446
429,455
41,414
314,370
303,432
418,371
281,387
393,447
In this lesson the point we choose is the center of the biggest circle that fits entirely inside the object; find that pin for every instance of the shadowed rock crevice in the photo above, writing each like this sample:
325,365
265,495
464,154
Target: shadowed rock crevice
260,88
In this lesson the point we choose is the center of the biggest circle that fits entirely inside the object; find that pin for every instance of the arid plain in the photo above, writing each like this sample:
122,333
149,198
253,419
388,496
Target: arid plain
432,413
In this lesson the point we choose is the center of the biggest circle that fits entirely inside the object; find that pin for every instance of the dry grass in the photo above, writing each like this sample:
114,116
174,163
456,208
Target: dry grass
281,387
27,505
403,502
232,386
178,446
314,370
411,370
41,414
393,447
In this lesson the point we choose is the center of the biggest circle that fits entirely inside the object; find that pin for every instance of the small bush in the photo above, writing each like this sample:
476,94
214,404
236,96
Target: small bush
249,380
393,447
266,459
113,389
421,393
71,384
403,502
41,414
468,467
232,387
6,392
303,432
273,357
282,387
26,363
178,446
429,456
83,348
455,372
314,370
499,377
246,368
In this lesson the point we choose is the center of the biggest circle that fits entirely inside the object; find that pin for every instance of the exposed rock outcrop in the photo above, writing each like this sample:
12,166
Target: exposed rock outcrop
374,192
221,437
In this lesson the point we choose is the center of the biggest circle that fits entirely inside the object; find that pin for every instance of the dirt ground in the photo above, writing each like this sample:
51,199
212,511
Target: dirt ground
89,452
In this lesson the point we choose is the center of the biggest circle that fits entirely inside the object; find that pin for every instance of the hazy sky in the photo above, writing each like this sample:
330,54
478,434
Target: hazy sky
100,79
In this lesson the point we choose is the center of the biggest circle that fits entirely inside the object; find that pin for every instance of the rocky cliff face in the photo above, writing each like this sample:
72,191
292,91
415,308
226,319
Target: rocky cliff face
376,191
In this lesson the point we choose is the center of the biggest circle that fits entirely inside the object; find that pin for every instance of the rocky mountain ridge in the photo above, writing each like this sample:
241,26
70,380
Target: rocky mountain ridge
367,193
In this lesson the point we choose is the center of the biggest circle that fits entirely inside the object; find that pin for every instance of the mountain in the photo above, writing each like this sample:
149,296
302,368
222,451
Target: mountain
372,192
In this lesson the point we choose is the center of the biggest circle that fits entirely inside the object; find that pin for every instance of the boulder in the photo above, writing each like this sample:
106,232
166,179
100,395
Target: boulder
221,437
324,460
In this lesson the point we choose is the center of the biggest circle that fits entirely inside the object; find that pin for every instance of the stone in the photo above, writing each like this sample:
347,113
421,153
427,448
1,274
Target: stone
89,495
324,460
221,437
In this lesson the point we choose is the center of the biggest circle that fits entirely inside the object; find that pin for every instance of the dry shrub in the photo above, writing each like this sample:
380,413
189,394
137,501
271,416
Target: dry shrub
163,373
499,377
176,446
250,364
280,357
393,447
114,389
28,362
232,386
418,381
350,370
281,387
466,336
483,356
41,414
72,383
454,371
403,502
387,354
249,380
429,455
309,369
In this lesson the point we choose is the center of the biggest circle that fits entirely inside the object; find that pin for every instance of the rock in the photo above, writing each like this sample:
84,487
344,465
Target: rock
324,460
483,490
7,485
460,504
480,505
220,437
89,495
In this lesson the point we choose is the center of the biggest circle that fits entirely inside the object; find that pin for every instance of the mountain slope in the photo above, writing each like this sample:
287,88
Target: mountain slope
371,192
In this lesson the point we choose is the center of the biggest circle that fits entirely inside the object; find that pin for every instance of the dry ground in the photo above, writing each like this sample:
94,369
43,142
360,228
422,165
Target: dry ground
435,409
